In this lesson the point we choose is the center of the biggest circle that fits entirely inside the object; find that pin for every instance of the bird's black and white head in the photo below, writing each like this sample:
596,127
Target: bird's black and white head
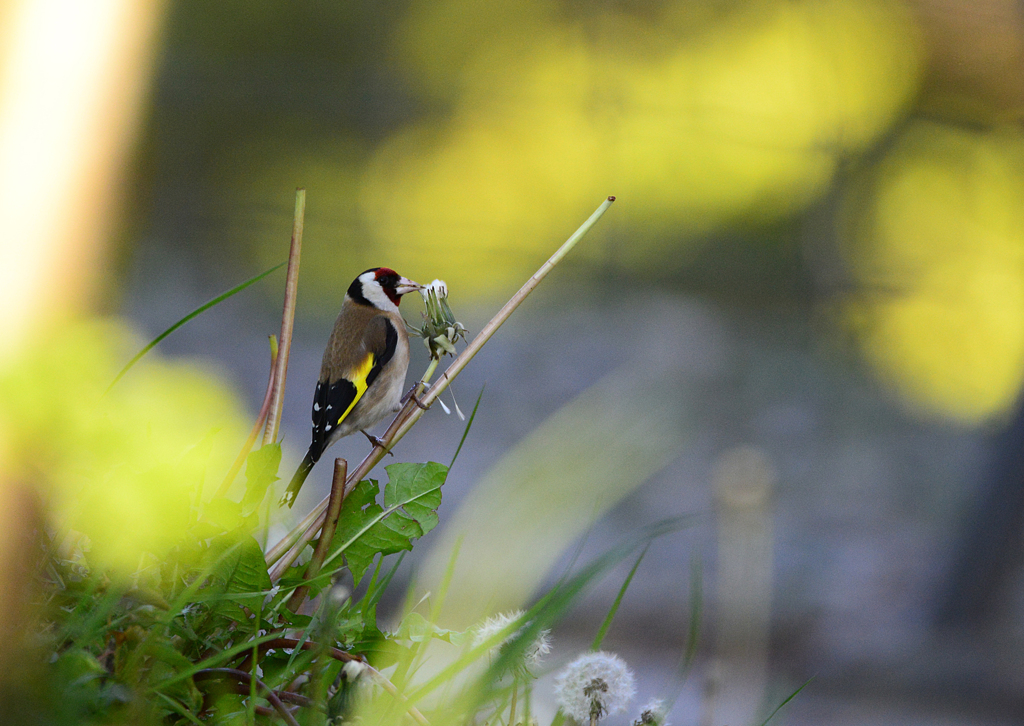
381,287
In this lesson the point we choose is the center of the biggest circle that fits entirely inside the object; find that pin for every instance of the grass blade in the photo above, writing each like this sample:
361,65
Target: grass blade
696,608
788,699
596,645
179,709
373,597
201,309
548,610
469,424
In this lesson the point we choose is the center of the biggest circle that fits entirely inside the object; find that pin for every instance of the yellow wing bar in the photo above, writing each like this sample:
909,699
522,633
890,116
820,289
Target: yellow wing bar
357,377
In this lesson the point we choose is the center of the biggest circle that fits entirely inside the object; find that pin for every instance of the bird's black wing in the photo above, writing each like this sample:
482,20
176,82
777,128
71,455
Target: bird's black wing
321,408
334,401
381,353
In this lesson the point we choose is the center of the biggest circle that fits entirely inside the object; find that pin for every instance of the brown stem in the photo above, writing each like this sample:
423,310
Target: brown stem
264,711
245,678
337,496
291,290
335,653
260,418
285,696
287,550
341,655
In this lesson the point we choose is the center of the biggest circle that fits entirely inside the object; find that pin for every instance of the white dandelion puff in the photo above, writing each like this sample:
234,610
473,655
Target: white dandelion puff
593,686
490,628
353,669
653,714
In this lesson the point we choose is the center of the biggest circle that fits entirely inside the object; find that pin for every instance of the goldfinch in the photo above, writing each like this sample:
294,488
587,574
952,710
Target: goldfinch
362,376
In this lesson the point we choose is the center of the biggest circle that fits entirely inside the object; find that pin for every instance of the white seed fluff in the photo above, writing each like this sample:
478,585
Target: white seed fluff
595,684
495,624
653,713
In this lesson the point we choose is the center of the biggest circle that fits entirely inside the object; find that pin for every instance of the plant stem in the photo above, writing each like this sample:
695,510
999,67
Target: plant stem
291,289
244,677
427,374
286,551
285,696
326,533
502,315
341,655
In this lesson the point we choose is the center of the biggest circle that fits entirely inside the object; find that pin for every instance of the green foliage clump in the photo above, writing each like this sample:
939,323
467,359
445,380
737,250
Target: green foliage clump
173,650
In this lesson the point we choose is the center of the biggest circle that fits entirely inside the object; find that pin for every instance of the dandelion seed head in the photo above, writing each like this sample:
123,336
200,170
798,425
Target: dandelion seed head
353,669
492,626
653,714
440,330
595,684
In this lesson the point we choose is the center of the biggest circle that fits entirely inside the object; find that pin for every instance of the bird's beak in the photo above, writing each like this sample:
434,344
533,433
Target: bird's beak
406,285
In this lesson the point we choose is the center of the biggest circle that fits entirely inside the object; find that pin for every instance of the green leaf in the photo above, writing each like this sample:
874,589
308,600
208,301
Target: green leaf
78,668
359,514
417,628
365,529
295,620
260,472
227,516
417,489
241,569
216,659
249,573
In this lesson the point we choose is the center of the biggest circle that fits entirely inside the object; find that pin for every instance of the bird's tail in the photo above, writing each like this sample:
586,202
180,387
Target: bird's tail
297,480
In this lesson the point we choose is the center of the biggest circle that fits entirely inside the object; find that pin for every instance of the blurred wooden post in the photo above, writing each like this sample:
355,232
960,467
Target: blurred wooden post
20,522
743,482
73,76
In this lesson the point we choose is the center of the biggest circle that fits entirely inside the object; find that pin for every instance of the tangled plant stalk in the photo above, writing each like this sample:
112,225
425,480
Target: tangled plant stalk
282,555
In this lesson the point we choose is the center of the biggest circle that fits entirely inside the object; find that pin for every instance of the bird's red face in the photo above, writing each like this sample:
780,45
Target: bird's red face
393,284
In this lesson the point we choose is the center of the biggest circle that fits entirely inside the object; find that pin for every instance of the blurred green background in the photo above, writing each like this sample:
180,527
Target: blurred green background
817,251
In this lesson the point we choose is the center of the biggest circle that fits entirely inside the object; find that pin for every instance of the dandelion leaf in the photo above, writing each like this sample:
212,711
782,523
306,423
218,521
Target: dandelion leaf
239,568
411,499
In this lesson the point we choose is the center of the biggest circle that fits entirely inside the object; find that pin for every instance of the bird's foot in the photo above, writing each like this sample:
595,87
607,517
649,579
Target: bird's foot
412,394
375,441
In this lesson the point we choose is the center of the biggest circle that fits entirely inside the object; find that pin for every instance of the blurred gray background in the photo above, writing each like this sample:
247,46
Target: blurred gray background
802,321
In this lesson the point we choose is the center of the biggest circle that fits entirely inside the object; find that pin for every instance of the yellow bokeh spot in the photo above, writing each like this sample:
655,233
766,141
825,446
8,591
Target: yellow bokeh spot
742,118
939,251
118,473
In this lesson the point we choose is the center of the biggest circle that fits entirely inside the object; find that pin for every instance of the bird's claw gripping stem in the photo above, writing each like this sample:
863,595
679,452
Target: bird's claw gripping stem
376,441
415,399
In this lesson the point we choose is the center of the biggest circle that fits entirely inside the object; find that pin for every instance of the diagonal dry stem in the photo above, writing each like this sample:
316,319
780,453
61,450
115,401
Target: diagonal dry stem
326,535
284,553
291,289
